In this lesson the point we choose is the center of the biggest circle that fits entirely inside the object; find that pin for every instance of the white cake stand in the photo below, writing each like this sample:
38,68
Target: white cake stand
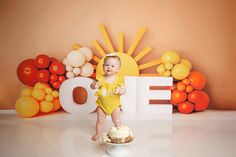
118,150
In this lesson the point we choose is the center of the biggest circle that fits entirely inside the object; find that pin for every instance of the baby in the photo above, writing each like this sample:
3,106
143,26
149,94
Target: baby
110,87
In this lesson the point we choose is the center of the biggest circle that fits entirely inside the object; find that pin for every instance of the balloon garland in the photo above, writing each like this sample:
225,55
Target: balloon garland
187,95
44,75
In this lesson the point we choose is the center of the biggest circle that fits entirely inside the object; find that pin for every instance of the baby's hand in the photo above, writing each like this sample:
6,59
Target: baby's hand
120,90
95,84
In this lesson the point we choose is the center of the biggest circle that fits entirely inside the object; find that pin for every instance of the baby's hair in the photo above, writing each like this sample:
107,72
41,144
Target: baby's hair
109,56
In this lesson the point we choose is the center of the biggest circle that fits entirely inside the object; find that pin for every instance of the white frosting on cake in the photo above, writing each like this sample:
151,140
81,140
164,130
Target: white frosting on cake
119,132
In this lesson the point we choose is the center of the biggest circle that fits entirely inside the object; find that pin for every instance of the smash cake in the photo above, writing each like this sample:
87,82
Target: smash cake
118,135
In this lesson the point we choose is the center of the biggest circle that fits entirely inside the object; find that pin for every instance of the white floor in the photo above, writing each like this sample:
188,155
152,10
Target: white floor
205,134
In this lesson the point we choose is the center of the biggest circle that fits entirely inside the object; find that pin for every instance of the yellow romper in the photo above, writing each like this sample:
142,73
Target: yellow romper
107,99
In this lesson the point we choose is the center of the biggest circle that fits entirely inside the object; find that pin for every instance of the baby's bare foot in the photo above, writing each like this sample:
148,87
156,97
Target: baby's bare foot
95,137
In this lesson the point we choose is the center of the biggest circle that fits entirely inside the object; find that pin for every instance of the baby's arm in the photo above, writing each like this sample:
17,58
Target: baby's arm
95,84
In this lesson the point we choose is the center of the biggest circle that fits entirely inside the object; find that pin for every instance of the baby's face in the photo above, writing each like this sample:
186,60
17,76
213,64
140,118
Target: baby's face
111,66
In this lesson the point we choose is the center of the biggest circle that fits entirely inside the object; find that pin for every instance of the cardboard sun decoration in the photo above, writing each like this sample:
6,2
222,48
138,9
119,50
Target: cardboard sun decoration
135,102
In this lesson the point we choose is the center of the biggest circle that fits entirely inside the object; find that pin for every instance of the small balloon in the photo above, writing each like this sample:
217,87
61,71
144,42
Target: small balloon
26,92
87,70
38,94
87,53
161,68
186,62
46,106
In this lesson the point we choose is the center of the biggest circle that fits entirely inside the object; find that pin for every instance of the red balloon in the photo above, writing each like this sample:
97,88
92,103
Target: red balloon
61,78
42,61
26,72
53,77
43,76
194,96
197,80
202,104
178,96
186,107
57,68
56,84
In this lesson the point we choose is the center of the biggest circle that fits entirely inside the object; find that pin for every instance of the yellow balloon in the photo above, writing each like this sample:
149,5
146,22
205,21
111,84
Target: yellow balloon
186,62
180,71
27,106
26,92
40,85
167,73
46,106
161,69
38,94
49,97
55,94
170,57
169,66
48,90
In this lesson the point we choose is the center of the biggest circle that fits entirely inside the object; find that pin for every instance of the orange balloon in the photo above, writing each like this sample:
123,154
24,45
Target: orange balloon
186,82
197,80
178,96
203,103
180,86
189,89
194,96
56,105
186,107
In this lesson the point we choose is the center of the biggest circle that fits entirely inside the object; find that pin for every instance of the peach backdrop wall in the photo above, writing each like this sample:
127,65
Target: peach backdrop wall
200,30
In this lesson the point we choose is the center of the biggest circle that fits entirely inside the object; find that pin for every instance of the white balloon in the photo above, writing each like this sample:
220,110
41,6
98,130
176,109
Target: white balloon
70,74
65,62
76,71
69,68
76,58
87,70
87,53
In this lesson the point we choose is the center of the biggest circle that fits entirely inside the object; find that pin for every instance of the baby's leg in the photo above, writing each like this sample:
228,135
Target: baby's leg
116,117
100,122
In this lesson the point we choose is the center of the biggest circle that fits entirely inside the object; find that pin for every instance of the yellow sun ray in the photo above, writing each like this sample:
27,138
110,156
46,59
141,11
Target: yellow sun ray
143,53
106,37
96,59
136,40
149,64
121,42
75,47
99,48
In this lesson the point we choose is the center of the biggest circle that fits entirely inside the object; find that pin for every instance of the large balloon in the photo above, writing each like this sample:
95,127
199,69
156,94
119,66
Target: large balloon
27,71
197,80
27,106
170,57
178,97
42,61
180,71
75,58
